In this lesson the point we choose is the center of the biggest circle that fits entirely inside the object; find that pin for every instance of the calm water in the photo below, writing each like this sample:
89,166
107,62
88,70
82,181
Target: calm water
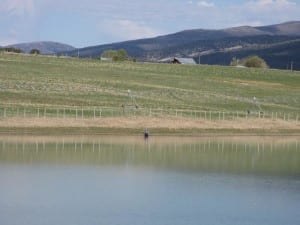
166,181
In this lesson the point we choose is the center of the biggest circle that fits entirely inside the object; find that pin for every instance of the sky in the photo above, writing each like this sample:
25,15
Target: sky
93,22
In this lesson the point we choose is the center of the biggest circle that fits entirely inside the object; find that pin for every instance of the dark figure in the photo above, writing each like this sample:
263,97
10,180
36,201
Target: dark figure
146,134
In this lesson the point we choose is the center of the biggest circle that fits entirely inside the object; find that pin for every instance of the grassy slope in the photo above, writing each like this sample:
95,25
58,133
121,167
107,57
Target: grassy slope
40,81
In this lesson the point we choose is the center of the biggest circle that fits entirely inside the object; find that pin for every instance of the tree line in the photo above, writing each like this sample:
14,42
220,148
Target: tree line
18,50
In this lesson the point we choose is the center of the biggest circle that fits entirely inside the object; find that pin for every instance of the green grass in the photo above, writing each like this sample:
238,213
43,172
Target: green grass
36,81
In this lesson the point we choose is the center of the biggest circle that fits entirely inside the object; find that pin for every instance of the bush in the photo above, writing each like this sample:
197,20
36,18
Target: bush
35,51
115,55
255,61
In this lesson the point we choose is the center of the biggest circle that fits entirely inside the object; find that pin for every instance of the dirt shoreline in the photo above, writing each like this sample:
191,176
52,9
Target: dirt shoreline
157,126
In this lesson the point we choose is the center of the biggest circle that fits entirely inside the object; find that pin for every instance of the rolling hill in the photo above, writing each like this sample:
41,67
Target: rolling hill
277,44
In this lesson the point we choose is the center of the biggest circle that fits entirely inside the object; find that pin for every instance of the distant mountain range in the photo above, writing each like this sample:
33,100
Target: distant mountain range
278,44
45,47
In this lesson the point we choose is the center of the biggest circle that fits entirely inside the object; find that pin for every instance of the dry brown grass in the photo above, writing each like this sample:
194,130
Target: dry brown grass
148,122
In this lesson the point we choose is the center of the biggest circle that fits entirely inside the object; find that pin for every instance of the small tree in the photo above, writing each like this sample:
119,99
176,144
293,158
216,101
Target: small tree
115,55
255,61
35,51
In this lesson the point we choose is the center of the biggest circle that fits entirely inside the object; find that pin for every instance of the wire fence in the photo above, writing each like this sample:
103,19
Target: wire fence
105,112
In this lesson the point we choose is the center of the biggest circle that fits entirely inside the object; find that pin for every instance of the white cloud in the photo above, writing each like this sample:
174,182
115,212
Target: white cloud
18,7
206,4
269,4
127,30
263,12
248,23
11,38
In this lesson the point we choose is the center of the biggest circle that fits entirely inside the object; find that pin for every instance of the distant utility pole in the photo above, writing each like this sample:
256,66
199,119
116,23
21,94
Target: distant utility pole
292,66
199,60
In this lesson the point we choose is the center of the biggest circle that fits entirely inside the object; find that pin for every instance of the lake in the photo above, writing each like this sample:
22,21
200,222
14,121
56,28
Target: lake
108,180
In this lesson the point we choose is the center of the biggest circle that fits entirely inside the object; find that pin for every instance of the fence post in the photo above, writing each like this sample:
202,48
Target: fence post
64,113
44,112
76,112
4,113
57,112
38,114
24,113
94,113
100,113
82,113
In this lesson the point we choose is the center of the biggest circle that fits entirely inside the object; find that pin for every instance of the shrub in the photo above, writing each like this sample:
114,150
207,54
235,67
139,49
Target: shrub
115,55
255,61
35,51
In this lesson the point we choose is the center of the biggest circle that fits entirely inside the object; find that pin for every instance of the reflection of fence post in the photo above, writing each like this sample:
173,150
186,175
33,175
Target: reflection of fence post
272,115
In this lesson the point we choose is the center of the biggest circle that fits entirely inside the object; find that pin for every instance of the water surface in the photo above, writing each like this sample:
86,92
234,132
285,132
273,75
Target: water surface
163,181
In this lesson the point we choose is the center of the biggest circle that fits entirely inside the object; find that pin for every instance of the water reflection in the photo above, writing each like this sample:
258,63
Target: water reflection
271,156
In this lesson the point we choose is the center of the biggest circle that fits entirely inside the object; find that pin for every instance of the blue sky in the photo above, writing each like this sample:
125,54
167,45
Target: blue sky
92,22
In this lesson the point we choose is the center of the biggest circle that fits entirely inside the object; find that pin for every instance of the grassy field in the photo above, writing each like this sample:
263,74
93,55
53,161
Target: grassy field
50,81
59,87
